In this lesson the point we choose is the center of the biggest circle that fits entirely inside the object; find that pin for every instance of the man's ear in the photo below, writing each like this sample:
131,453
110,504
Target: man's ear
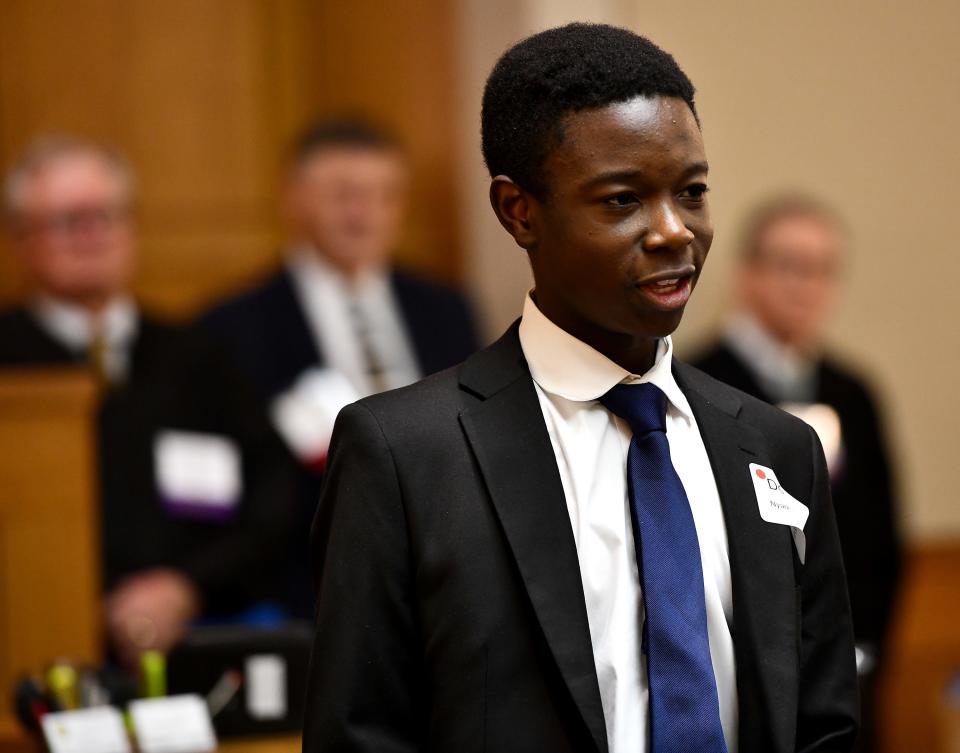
513,206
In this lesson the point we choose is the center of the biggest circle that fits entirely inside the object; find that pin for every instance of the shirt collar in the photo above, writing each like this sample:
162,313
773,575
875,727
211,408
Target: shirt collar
76,327
785,371
565,366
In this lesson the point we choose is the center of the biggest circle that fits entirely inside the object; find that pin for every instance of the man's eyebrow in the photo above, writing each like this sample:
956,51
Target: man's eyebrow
626,176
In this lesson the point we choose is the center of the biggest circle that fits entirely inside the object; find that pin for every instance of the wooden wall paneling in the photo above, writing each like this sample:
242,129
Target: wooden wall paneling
204,98
924,654
51,79
183,88
197,123
395,60
9,279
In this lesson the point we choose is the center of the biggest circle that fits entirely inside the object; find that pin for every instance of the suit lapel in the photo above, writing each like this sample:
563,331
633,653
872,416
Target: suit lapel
297,345
509,438
765,616
422,331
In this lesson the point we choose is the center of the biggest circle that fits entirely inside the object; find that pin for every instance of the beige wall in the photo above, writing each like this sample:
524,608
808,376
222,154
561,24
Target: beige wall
856,102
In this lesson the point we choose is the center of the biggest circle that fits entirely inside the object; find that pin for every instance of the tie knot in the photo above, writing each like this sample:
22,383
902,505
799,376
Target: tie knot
643,406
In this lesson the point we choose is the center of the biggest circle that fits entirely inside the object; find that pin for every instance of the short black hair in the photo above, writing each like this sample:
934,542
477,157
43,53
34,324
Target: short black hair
546,76
348,132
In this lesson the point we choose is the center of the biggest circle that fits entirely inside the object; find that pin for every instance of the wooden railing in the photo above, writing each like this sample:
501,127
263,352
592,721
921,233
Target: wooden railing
49,545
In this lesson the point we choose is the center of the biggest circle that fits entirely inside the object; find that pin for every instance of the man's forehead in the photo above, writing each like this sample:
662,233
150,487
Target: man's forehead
336,158
639,112
801,230
639,130
72,175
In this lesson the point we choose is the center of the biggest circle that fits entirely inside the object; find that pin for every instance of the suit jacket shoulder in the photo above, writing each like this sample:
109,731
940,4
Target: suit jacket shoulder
24,343
265,331
439,320
779,428
720,362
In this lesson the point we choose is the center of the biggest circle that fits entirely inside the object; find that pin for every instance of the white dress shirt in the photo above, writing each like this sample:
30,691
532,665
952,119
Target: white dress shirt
76,328
784,373
590,445
327,297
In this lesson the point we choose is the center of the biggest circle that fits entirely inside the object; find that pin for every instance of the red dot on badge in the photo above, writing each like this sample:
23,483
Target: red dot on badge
761,474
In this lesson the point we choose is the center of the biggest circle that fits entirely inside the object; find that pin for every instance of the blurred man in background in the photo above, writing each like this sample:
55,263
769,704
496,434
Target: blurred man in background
788,283
195,486
338,322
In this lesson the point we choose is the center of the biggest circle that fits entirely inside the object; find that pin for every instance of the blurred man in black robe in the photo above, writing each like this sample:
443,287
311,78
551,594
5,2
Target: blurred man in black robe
195,486
792,258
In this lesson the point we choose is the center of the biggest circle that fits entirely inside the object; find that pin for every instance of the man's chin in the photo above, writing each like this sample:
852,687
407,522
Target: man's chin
88,295
351,261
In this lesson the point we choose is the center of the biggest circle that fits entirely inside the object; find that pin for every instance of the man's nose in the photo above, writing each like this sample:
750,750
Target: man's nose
666,228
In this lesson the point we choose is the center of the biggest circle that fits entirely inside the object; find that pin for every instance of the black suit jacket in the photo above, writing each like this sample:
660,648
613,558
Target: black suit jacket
265,330
177,381
450,610
863,493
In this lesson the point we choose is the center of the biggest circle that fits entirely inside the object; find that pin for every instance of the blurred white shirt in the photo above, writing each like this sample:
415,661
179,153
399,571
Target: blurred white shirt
327,298
784,373
76,328
340,315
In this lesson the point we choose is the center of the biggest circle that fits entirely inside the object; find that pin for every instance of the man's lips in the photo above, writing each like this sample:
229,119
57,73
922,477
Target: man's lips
666,275
668,291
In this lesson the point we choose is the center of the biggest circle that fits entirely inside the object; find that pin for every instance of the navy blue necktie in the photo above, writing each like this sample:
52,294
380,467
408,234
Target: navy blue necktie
684,710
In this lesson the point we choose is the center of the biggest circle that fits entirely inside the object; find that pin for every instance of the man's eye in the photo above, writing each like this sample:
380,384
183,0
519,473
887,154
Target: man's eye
696,192
621,199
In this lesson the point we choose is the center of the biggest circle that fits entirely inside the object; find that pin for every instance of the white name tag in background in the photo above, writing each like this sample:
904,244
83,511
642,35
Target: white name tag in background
176,724
203,470
95,730
266,682
304,415
779,506
825,421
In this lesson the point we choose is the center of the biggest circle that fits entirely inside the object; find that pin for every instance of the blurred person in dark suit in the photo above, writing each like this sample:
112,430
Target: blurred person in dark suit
195,486
793,253
338,321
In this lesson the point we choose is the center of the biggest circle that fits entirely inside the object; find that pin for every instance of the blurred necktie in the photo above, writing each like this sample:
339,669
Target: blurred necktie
97,356
373,365
684,709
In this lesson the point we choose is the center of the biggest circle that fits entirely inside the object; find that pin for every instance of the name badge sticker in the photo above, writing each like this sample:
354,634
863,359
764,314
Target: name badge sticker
174,724
304,415
94,730
778,506
198,475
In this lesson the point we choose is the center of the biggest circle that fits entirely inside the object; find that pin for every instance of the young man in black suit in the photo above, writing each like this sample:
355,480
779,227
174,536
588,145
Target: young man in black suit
338,321
789,278
195,488
572,541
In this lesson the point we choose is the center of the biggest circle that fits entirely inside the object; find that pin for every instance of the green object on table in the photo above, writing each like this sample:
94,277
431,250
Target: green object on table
63,681
153,674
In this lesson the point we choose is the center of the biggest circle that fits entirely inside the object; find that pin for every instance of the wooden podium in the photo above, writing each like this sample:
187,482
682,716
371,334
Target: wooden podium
49,540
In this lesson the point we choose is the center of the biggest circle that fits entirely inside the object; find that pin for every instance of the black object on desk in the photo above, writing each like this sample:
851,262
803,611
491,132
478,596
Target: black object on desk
254,679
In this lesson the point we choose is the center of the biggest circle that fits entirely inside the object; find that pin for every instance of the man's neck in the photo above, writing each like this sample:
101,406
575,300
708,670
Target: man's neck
351,278
636,354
